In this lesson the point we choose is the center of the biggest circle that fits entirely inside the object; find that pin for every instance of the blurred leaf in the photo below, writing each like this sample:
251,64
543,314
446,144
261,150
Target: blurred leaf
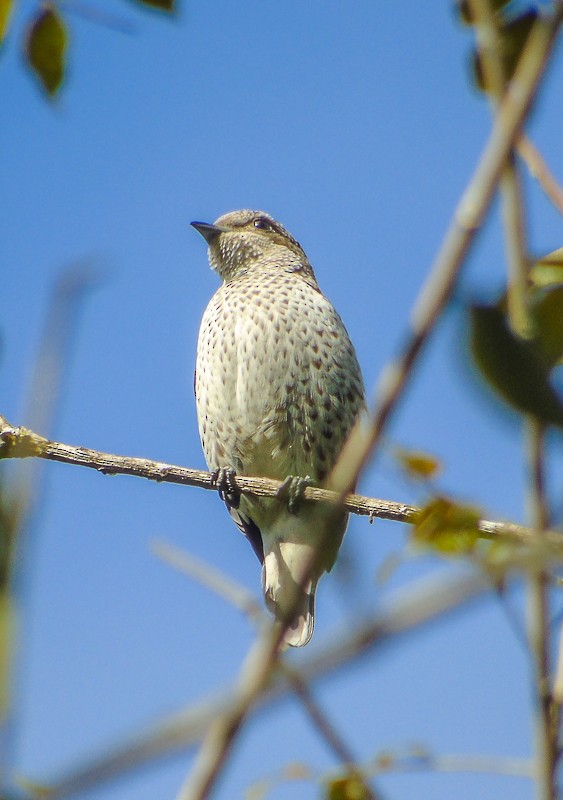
548,271
46,47
513,34
512,366
6,8
349,787
163,5
547,313
464,9
419,465
448,527
297,771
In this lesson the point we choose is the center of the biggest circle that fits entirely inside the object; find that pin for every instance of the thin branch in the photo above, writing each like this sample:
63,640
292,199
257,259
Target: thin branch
327,730
467,219
540,171
492,765
539,631
412,609
211,578
490,49
19,442
392,763
238,596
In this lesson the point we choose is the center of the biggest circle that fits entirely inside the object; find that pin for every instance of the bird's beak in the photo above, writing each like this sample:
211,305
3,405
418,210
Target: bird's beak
208,231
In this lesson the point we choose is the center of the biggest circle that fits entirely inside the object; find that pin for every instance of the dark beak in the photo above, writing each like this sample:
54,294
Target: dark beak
208,231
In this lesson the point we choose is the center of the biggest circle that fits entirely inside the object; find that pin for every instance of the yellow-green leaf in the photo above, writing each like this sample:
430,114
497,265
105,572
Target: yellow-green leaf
419,465
46,48
512,366
548,271
448,527
349,787
6,8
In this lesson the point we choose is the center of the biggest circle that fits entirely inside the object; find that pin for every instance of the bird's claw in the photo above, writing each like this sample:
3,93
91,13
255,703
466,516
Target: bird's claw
293,489
224,481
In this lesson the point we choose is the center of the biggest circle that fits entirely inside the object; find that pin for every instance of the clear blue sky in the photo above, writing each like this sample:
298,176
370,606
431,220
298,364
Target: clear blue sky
356,126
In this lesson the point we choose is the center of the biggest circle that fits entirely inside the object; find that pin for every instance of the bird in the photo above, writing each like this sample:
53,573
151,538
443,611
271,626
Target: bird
278,388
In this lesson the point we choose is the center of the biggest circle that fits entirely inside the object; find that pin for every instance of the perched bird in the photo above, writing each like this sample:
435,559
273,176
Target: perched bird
278,388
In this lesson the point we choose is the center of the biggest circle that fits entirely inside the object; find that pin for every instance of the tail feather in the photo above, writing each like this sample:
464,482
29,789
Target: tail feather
282,573
300,630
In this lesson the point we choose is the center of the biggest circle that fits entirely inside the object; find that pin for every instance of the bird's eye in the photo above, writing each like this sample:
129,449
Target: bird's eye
262,224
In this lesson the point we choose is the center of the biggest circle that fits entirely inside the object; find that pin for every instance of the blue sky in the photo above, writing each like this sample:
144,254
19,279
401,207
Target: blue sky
357,127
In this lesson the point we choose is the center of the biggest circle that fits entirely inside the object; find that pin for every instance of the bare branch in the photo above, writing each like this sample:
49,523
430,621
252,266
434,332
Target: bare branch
540,171
539,630
490,50
211,578
19,442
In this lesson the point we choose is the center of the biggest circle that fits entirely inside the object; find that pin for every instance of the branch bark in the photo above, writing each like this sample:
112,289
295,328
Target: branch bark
20,442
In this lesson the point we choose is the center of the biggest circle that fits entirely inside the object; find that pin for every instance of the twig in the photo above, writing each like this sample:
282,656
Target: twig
238,596
539,170
429,601
327,730
467,219
210,577
21,495
511,767
19,442
539,632
490,49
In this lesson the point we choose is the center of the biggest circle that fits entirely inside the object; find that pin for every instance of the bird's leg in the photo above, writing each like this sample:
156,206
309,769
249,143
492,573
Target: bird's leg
292,490
224,481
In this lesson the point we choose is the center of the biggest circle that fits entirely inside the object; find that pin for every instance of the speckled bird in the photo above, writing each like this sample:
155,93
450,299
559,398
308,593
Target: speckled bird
278,388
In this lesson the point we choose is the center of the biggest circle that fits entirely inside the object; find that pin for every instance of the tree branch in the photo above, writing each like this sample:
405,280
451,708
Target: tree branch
20,442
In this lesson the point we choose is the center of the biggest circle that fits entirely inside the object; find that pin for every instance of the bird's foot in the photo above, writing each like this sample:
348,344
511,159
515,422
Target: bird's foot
292,490
224,481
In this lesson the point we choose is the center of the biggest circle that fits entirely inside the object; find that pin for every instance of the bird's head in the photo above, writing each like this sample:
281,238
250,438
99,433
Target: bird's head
243,240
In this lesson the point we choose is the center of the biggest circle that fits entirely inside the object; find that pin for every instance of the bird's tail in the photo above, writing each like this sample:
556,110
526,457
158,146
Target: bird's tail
284,566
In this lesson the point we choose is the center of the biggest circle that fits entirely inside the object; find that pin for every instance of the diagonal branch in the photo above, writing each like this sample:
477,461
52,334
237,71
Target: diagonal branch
467,219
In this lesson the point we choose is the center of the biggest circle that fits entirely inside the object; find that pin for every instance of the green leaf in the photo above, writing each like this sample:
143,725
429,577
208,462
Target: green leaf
163,5
548,271
46,47
512,366
513,34
547,314
6,8
448,527
349,787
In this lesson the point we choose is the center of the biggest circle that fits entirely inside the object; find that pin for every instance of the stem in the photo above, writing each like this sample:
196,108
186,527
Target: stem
539,625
